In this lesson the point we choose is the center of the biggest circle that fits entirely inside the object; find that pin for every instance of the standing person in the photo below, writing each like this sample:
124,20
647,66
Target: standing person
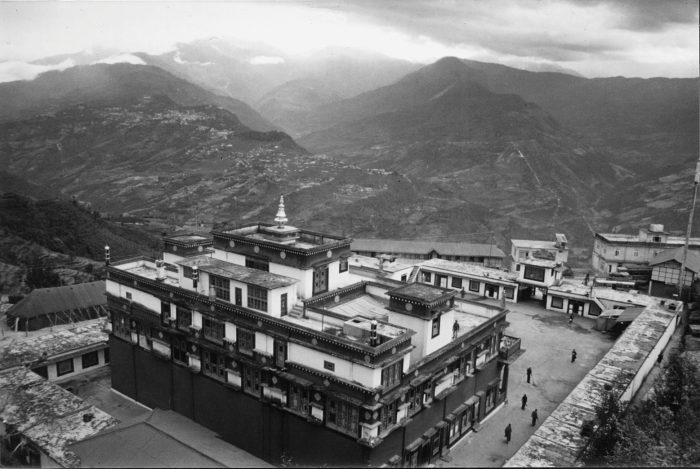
573,355
509,431
660,358
529,373
571,318
534,417
524,401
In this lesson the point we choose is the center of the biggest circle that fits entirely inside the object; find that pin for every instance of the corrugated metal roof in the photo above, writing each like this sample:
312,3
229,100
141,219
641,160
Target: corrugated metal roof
44,301
692,262
425,247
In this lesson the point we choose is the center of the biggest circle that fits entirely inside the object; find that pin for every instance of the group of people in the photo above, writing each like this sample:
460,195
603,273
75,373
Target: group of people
523,400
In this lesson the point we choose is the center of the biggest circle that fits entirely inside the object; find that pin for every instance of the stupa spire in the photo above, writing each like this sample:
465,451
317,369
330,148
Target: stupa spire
281,217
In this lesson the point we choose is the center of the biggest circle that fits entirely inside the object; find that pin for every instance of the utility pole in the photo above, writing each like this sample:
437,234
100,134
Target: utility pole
681,276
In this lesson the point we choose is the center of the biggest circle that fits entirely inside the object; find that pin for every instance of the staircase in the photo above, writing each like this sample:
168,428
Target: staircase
297,311
414,274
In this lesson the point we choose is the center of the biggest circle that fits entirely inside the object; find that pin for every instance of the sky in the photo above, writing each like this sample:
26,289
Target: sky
642,38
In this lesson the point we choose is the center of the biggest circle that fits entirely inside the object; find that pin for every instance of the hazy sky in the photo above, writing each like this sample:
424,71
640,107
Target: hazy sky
593,37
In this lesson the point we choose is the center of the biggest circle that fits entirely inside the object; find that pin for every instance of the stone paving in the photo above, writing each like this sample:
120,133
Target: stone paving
547,340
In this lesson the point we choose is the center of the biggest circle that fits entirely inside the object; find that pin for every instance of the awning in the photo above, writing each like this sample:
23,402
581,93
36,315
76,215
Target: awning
419,380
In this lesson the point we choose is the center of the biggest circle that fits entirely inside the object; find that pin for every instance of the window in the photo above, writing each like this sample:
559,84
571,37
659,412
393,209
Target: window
436,326
120,326
391,375
187,272
635,253
534,273
128,295
222,287
456,282
214,364
388,416
441,281
164,311
404,278
509,292
617,252
184,317
298,399
245,340
90,359
657,239
239,297
342,416
251,381
330,366
64,367
343,267
257,263
426,276
283,304
42,371
557,302
320,280
517,267
280,353
257,298
473,285
179,350
213,329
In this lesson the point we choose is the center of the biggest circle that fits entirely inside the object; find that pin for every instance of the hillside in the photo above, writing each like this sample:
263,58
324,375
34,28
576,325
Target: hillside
53,92
62,237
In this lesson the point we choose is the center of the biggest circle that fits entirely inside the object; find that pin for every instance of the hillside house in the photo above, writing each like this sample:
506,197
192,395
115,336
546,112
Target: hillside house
666,268
616,252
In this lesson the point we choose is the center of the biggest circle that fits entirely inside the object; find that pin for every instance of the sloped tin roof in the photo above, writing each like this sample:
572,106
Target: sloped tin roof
44,301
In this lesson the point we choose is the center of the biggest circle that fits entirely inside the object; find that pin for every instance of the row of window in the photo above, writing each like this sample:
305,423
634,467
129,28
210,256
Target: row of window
458,283
67,366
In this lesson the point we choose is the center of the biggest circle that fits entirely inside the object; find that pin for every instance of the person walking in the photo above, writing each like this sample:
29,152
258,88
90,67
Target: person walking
534,417
524,401
573,355
529,373
509,431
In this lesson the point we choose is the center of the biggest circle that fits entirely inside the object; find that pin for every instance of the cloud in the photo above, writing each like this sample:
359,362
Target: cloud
122,58
266,60
15,70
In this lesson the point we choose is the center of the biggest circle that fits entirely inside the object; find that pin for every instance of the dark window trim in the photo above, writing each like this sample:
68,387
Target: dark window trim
58,367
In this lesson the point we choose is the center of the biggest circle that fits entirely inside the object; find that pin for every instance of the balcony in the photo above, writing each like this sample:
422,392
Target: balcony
509,348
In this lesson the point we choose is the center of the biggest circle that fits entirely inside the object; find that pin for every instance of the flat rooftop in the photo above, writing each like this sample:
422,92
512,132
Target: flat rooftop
533,244
634,238
422,292
48,415
303,239
51,345
470,269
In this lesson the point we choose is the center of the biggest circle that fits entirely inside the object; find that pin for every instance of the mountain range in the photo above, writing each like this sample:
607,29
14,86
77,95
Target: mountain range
456,150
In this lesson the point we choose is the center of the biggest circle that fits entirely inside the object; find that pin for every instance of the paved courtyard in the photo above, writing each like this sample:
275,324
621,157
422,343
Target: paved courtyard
547,340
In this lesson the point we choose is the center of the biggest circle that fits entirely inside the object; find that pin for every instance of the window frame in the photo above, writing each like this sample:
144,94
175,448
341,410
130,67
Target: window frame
560,302
222,287
65,372
457,282
245,341
472,284
435,324
90,365
255,299
343,265
213,329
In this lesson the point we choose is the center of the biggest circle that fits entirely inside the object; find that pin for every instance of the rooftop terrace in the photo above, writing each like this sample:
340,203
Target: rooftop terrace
470,269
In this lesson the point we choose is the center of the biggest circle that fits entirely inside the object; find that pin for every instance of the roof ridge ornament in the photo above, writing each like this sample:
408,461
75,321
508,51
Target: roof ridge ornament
281,217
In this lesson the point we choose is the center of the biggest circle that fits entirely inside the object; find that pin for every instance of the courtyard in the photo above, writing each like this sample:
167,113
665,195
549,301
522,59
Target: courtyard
547,341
